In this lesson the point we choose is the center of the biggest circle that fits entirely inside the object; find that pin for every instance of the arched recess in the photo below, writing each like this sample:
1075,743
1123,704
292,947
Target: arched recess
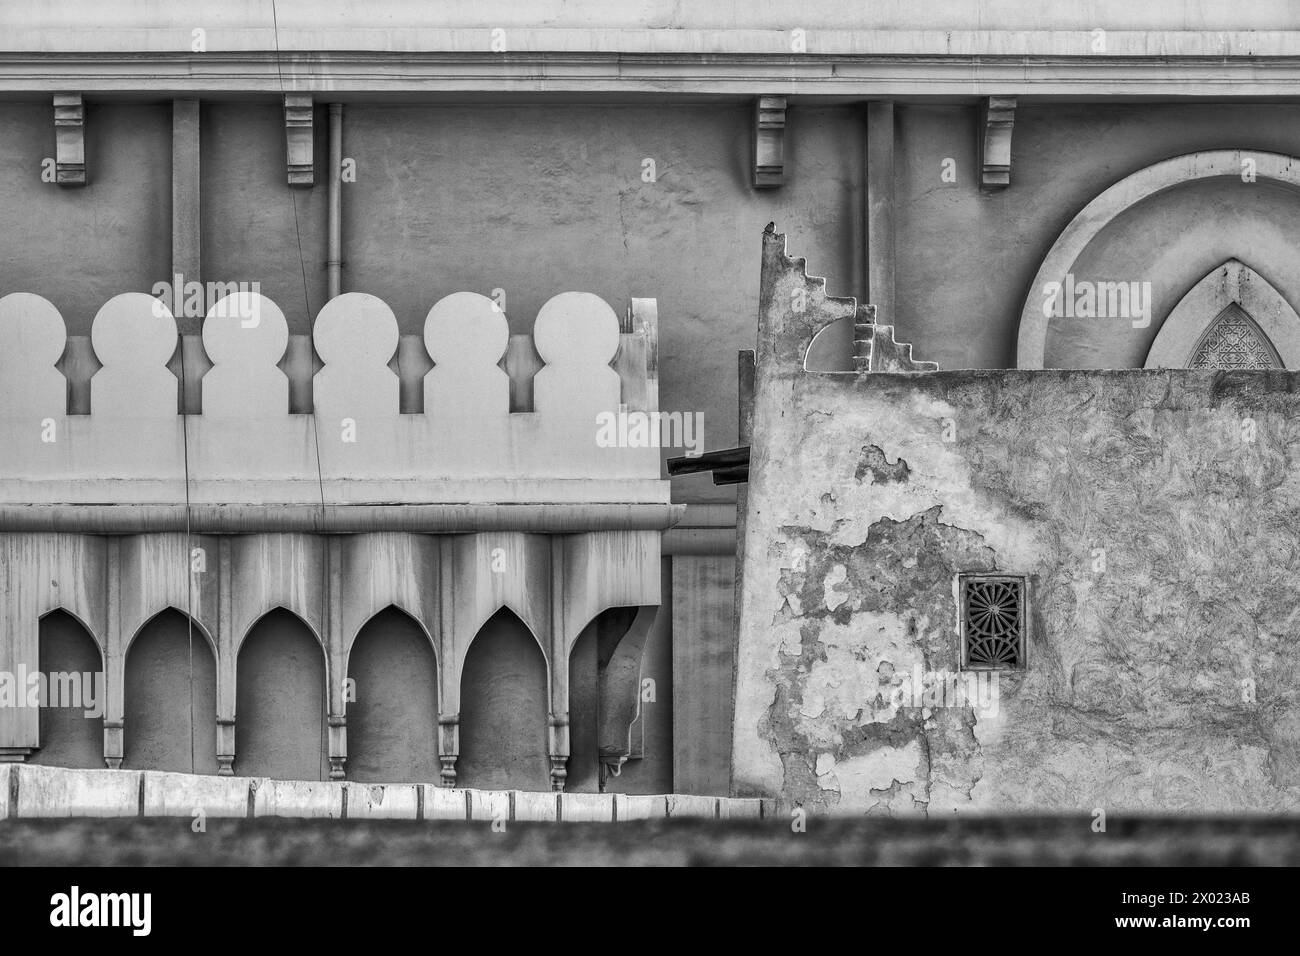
613,747
280,720
392,707
831,349
1243,199
72,702
1232,318
170,697
504,709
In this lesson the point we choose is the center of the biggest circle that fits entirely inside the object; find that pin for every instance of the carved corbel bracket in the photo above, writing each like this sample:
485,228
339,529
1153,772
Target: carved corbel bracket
299,139
69,140
769,142
448,748
998,119
338,747
113,739
225,747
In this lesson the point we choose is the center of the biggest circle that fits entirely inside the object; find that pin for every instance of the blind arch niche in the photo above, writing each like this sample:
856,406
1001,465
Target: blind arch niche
1233,318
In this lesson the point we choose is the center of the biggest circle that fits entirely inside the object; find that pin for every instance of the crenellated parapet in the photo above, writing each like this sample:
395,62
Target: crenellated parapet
503,420
226,476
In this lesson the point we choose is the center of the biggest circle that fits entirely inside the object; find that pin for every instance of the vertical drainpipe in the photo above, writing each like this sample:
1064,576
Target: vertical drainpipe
334,262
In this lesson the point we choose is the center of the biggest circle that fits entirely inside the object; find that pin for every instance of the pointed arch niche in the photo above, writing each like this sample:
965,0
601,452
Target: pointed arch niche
1232,319
1167,225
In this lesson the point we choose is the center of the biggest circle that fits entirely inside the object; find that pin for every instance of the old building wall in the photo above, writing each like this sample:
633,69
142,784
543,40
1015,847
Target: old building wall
967,261
1152,513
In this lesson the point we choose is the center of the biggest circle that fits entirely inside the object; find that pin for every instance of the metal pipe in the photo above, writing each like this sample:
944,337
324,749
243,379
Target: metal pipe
709,461
334,262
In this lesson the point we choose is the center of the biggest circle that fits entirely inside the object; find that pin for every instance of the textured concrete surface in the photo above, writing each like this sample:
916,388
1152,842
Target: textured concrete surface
1153,513
32,792
56,792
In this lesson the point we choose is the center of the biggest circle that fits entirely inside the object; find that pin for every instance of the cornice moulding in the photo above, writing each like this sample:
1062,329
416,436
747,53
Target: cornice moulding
875,75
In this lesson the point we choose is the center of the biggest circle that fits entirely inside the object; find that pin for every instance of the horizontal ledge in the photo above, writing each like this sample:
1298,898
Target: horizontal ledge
341,519
866,75
512,41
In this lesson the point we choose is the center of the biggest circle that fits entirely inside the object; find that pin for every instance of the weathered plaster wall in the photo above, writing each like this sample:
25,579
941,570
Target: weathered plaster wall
1161,674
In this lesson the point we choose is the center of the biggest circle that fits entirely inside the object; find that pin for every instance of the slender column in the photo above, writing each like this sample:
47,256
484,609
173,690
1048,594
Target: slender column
880,208
186,230
334,263
114,677
332,554
448,666
226,664
557,730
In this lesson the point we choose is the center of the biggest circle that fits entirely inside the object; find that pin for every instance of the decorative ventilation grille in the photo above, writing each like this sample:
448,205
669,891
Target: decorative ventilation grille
1234,341
992,621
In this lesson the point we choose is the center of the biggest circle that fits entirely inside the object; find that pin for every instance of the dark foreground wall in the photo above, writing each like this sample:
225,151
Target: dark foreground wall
1154,515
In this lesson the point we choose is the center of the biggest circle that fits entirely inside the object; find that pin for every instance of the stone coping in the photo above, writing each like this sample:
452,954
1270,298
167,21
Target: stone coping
35,792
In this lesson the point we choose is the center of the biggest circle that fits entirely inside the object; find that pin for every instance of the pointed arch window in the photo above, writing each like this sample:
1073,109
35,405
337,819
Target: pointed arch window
1234,341
1233,318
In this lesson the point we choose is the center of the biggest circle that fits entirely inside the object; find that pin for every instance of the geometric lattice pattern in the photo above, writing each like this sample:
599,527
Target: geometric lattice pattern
1234,341
993,621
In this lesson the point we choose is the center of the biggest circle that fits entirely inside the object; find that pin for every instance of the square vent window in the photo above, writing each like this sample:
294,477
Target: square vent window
993,615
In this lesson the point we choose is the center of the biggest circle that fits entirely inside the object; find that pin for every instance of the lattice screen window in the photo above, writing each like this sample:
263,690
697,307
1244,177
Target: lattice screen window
1234,341
993,616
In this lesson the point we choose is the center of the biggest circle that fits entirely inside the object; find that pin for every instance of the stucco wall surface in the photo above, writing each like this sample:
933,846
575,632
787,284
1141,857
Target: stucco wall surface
1153,513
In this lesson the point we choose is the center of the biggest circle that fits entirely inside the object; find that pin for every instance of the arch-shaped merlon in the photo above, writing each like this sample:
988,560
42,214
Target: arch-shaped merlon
577,336
355,335
466,335
245,336
133,336
32,339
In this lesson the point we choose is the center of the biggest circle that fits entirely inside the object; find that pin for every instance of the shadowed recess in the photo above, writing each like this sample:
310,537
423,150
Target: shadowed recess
69,657
162,713
280,701
393,713
503,710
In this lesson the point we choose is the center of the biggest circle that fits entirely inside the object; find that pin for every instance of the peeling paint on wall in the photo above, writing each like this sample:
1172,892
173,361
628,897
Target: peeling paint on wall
1154,515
